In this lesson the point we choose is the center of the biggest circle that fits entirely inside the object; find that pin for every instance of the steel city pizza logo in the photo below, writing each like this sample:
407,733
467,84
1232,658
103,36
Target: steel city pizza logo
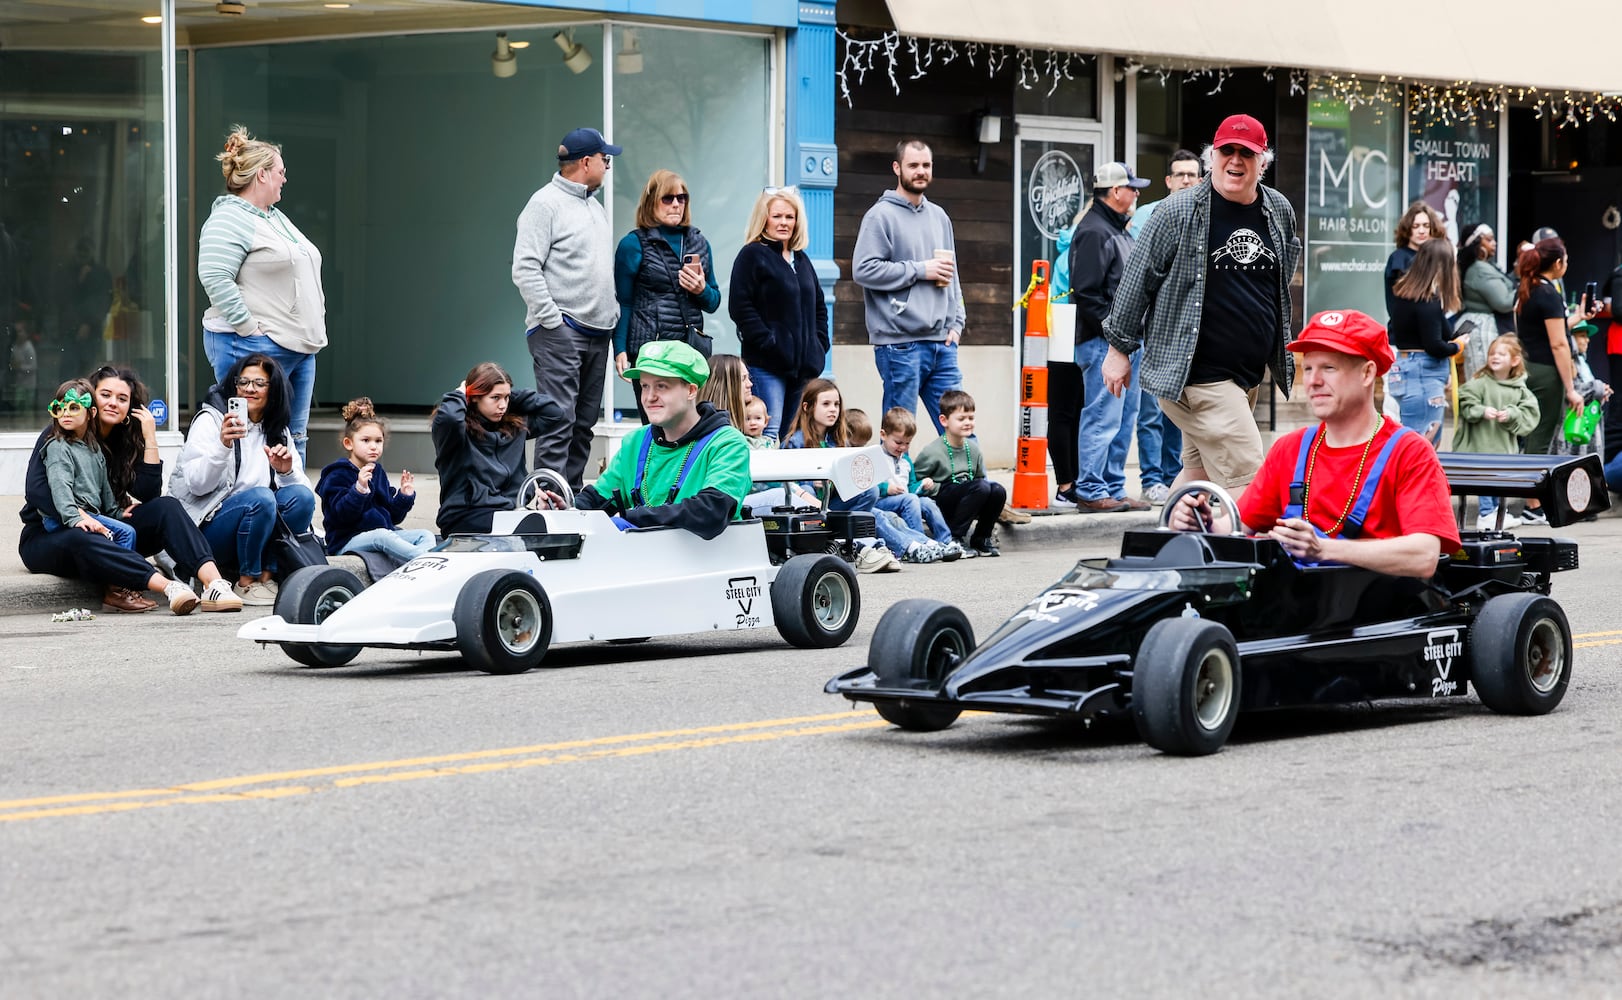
1442,647
1054,192
1245,251
744,590
1042,607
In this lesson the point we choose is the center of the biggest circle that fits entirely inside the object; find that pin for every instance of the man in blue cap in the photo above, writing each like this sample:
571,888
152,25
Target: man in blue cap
689,468
563,265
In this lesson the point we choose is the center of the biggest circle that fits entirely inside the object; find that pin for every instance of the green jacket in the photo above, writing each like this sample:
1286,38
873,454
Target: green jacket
1158,302
709,498
78,475
1489,437
935,462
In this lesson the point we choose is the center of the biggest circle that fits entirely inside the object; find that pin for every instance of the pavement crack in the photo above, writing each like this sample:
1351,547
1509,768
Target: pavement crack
1542,943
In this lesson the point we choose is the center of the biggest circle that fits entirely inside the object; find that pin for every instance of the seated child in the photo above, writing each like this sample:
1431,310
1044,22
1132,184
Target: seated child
902,492
820,423
754,423
77,469
360,510
970,501
893,528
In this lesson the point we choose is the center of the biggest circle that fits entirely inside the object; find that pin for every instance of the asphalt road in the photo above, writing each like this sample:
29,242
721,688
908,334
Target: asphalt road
182,814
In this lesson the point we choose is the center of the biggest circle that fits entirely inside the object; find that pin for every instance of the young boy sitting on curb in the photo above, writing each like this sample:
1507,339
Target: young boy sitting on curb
903,489
970,501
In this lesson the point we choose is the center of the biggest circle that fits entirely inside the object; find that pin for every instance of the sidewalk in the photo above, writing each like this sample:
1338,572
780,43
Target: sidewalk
24,592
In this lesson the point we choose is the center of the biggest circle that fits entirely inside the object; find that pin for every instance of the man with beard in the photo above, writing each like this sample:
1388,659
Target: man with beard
906,263
1206,295
1098,255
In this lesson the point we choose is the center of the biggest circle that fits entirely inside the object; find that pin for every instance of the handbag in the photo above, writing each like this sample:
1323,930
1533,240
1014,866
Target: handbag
699,341
291,550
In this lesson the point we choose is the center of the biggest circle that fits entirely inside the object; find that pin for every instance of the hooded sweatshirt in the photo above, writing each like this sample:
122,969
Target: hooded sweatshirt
262,276
1489,437
896,241
709,498
483,473
347,512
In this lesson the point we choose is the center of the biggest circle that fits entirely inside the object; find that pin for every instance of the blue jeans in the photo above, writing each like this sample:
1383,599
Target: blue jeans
1418,382
239,531
782,399
226,349
1160,443
123,534
1106,425
400,544
897,536
922,369
921,514
1613,473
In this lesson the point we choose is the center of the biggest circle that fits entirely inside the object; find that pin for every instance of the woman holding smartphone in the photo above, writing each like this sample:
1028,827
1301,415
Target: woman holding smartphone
239,469
664,276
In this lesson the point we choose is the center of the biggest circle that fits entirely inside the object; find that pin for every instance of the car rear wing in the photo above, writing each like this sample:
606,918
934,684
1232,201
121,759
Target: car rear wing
853,471
1570,487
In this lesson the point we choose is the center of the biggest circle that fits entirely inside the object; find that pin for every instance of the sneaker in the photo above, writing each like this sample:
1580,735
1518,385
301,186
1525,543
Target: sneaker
872,560
1534,516
1068,495
218,596
986,549
963,547
258,594
951,551
1156,494
915,553
182,599
1489,522
891,564
1011,516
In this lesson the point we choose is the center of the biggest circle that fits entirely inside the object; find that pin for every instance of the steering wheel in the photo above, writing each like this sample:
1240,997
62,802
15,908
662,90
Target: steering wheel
532,486
1217,493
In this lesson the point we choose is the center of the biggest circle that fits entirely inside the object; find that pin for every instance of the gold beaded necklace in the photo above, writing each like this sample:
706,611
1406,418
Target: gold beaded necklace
1357,481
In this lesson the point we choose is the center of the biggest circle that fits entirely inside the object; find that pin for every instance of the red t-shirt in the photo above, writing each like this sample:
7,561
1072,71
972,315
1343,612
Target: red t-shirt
1412,495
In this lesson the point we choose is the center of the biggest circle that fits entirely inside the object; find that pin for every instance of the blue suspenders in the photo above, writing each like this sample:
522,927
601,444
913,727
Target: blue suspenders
1365,497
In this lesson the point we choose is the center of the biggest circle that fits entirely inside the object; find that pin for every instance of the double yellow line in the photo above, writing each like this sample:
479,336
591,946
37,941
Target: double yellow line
284,784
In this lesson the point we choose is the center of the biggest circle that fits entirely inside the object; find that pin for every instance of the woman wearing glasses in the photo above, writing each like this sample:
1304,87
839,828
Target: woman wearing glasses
128,437
262,276
664,276
239,470
777,304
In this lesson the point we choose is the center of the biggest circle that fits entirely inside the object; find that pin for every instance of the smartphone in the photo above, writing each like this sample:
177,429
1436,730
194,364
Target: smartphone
1591,295
237,407
692,258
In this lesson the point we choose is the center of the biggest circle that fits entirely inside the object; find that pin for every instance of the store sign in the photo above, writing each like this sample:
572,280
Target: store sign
1054,192
1354,198
1454,168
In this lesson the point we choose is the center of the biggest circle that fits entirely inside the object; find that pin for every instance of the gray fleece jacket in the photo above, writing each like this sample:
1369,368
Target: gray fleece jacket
563,259
897,239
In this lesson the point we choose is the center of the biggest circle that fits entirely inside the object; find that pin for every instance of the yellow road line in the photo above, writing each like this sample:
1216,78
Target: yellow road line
477,763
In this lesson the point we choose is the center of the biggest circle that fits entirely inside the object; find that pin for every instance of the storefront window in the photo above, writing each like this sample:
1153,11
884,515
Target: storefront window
694,102
81,207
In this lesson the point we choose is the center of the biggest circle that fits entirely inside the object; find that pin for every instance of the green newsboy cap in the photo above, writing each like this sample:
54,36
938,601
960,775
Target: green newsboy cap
671,359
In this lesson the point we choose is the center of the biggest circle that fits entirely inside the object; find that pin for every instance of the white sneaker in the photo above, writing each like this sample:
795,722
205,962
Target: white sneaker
258,594
951,551
1157,494
891,563
1489,522
218,596
1534,515
872,560
182,599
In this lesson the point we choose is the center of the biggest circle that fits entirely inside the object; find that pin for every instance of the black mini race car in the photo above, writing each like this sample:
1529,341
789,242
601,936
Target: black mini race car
1185,630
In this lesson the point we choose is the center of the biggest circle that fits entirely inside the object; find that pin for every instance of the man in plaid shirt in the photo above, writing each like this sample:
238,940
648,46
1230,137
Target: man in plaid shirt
1206,295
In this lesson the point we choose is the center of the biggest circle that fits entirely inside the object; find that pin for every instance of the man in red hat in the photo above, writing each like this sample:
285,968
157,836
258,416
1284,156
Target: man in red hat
1206,295
1330,493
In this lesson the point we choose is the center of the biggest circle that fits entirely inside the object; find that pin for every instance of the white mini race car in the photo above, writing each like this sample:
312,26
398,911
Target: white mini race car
548,576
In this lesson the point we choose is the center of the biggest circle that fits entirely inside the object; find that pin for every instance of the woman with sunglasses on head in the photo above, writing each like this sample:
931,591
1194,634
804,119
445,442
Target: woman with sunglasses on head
239,471
128,437
664,276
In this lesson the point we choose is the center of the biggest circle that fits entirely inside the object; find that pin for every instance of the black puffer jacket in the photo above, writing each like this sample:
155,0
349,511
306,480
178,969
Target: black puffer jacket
660,308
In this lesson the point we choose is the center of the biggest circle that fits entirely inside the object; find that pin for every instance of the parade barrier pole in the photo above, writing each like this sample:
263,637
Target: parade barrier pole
1031,464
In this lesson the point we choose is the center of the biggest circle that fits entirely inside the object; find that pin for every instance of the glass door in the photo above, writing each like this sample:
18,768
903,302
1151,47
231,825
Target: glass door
1054,160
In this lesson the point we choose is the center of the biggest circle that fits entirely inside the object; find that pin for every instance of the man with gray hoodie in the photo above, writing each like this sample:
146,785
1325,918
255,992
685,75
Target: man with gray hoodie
563,265
906,263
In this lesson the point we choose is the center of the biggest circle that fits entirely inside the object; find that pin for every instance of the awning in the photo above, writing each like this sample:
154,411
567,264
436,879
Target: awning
1554,47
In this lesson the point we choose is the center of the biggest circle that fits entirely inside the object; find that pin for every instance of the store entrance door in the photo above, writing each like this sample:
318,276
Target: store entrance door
1054,160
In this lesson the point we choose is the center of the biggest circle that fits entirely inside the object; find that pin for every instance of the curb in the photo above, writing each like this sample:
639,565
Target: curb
28,593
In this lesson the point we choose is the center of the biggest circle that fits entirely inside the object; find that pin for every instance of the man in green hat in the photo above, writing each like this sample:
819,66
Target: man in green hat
689,468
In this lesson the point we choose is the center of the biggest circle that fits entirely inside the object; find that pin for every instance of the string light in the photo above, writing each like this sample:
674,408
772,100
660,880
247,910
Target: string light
914,57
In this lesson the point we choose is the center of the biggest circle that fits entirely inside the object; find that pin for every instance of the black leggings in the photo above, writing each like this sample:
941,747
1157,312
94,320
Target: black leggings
1065,390
160,524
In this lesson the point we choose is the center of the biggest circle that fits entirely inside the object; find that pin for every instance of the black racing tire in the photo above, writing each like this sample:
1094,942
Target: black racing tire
918,640
1520,654
1185,686
503,622
307,597
815,601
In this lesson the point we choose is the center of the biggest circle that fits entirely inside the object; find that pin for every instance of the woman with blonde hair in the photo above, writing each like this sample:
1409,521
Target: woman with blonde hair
1420,335
776,301
262,276
664,276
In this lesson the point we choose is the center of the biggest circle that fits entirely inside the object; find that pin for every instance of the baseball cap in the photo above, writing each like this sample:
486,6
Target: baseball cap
1544,233
670,359
1241,130
1117,175
1346,332
584,142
